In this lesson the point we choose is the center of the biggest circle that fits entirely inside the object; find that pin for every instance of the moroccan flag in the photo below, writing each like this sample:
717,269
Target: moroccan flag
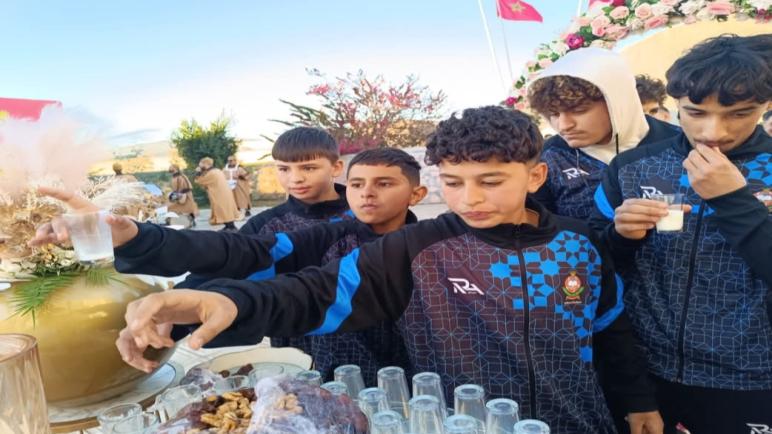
23,108
517,10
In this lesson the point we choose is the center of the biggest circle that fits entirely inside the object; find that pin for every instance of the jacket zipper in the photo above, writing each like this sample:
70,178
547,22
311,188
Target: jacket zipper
687,295
528,358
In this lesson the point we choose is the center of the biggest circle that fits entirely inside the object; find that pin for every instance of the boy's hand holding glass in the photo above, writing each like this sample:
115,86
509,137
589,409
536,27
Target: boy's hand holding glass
123,228
636,217
649,422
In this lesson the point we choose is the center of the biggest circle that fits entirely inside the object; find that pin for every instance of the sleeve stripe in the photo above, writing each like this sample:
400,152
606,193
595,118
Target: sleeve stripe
601,202
348,283
279,251
612,314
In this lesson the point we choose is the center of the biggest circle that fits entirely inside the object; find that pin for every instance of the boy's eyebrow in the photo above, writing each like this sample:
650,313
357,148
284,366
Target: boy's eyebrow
377,178
482,175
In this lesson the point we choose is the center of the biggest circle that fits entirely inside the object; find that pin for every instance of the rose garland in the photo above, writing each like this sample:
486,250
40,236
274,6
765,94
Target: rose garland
604,26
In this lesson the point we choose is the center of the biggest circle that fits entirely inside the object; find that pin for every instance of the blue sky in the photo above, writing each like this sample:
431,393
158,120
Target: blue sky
143,66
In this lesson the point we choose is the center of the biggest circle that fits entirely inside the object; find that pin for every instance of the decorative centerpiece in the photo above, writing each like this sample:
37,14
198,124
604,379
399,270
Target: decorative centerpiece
74,310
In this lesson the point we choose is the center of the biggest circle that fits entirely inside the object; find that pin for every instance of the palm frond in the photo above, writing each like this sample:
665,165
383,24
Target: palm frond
31,296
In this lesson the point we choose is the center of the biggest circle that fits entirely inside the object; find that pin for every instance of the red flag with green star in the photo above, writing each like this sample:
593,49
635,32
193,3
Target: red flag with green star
517,10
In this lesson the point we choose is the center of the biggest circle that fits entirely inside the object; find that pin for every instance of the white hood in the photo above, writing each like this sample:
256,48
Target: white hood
610,73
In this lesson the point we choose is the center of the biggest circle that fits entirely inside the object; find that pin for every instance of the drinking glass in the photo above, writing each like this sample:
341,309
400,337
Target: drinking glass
264,370
462,424
392,380
351,376
91,236
502,416
429,383
234,382
143,423
674,220
531,426
372,400
469,399
387,422
170,402
313,378
336,388
425,415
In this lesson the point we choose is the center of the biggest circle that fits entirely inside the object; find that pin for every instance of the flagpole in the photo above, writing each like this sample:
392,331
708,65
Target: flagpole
490,45
579,7
506,45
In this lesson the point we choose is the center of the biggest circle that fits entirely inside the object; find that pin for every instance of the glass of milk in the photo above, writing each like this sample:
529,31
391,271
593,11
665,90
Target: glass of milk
674,220
90,236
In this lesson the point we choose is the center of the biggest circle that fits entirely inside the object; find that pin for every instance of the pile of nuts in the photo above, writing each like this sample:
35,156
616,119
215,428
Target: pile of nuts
232,416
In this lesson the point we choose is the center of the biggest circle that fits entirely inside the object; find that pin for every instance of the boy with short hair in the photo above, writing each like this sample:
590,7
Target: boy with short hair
652,94
589,98
701,298
499,293
307,162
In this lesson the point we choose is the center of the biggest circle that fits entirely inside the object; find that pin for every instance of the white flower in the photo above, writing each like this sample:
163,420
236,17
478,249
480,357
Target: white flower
691,6
559,47
660,9
704,15
636,24
761,4
4,286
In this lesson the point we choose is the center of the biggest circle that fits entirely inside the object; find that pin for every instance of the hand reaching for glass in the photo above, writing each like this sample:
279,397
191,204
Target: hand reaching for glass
149,320
123,229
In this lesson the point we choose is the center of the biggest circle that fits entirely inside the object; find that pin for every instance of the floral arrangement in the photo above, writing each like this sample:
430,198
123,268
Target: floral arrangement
602,26
30,156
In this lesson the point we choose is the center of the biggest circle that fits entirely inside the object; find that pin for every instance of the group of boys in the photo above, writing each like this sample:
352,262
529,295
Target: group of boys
515,289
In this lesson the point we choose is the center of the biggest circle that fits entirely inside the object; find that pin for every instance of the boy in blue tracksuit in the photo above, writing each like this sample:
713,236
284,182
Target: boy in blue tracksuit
500,292
307,162
590,99
381,184
701,298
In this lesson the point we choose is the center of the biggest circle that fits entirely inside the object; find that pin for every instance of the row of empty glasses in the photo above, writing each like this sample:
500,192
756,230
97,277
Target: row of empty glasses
391,410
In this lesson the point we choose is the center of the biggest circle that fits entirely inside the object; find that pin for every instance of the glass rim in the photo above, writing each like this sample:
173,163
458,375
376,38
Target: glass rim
81,214
395,418
492,405
370,391
469,390
28,342
129,405
427,375
348,369
391,371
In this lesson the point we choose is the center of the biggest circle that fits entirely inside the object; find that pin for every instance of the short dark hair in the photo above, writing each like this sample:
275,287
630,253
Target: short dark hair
561,93
732,67
484,133
390,157
305,143
650,89
767,115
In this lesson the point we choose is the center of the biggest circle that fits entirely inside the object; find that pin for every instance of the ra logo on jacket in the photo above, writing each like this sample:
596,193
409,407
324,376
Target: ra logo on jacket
574,172
573,288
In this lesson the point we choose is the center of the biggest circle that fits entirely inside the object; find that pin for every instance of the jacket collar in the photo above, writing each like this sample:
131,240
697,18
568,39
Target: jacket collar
511,236
320,210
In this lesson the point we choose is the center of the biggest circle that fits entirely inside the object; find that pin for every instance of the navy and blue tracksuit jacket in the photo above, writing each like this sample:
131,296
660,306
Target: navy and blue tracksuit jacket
527,312
289,216
700,299
213,254
574,176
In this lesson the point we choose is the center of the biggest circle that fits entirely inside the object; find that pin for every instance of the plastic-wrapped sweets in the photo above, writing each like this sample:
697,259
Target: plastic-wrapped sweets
277,405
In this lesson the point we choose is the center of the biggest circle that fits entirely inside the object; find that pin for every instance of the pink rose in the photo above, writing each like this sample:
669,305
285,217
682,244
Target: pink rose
720,8
690,19
583,21
530,64
643,11
620,13
575,41
655,22
544,63
616,32
520,106
600,21
510,102
670,3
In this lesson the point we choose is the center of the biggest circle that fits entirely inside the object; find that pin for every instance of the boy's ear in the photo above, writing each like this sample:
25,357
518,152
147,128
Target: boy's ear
537,176
337,168
419,193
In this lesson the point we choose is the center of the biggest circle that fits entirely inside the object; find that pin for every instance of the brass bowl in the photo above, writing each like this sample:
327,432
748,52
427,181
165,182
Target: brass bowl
76,331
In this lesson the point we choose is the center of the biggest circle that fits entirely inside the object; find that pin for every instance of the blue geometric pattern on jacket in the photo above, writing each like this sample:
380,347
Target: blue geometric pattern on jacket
466,321
572,180
727,338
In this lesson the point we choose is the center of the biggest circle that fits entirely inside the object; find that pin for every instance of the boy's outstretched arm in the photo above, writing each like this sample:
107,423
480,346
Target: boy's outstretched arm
356,292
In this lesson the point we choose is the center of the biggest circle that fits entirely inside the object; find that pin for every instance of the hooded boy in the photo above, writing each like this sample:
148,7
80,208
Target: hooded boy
590,100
